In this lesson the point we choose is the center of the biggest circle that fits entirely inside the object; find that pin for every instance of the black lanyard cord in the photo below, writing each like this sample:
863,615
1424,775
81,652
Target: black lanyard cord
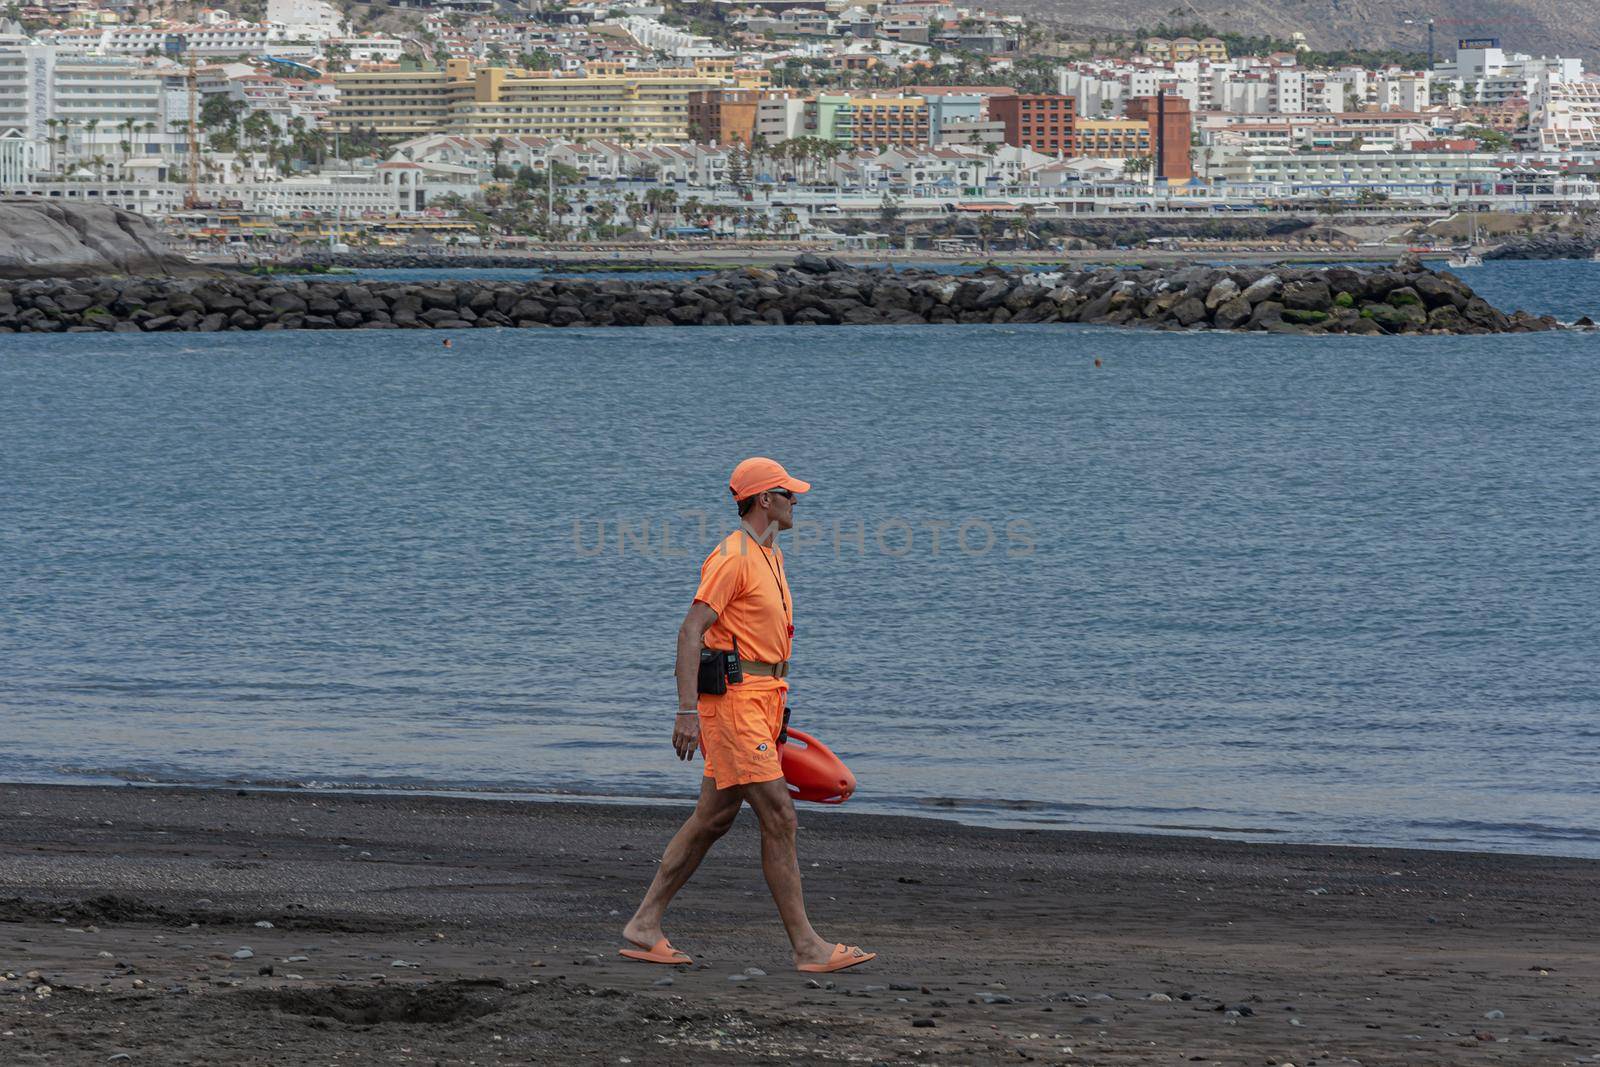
779,582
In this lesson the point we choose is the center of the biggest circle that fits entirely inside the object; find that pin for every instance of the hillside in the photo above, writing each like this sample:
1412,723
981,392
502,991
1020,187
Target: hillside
1539,27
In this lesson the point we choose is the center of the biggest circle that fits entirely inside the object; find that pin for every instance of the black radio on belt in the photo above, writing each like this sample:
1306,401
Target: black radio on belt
718,667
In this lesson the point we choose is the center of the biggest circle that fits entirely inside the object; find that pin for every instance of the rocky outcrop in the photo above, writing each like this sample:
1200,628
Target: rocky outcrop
1406,299
42,239
1578,245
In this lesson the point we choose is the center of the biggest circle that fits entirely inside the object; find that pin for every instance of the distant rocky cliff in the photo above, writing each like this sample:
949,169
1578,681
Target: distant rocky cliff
1540,27
40,239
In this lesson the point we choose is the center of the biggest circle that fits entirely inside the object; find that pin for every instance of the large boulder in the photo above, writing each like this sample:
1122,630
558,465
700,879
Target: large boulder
1308,294
39,239
1231,314
1266,287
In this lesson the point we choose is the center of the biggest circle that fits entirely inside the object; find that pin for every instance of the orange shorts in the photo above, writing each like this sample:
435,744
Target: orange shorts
739,735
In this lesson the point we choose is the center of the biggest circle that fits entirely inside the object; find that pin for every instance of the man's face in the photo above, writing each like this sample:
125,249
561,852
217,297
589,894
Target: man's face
780,508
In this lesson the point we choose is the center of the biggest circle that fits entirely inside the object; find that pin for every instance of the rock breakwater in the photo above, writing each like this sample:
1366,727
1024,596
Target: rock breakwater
1579,245
822,292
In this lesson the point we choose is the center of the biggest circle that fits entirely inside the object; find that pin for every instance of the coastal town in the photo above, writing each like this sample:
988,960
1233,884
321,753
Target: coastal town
911,126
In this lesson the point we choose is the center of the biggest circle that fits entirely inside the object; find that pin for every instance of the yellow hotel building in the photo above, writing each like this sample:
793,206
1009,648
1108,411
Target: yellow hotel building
642,106
1111,138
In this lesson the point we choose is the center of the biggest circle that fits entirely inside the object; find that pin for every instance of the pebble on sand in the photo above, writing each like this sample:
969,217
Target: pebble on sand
244,954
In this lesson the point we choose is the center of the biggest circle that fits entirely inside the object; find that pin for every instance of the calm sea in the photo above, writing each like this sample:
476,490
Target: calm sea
1338,590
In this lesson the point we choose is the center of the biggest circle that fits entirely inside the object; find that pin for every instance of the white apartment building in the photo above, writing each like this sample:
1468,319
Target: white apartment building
75,107
1566,114
1400,90
1252,93
1343,174
380,49
1483,73
1105,91
387,189
1389,130
1248,85
228,39
780,118
679,44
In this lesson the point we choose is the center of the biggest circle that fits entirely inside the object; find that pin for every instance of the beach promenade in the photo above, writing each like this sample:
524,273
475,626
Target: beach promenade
412,929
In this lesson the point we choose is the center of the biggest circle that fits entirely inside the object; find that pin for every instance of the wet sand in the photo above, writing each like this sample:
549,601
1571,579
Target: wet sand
453,931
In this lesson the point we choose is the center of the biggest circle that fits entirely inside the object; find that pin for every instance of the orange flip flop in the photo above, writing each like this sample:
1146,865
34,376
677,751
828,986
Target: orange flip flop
661,952
843,956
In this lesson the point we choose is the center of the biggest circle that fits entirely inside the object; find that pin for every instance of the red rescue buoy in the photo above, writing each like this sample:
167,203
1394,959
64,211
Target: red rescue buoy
813,772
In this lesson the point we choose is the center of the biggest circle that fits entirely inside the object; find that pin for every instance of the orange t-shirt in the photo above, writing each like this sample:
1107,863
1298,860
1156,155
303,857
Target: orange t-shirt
743,582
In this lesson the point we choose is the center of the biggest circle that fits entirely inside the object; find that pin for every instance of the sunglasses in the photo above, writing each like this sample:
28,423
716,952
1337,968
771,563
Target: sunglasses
786,494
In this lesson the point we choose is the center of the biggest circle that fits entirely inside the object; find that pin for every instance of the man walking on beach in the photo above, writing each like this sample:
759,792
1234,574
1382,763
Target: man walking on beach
742,606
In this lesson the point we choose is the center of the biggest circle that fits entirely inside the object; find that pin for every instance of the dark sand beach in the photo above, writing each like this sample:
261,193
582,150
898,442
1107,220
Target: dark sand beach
411,929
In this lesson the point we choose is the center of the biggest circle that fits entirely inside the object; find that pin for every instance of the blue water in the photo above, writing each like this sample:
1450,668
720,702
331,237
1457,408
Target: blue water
1340,590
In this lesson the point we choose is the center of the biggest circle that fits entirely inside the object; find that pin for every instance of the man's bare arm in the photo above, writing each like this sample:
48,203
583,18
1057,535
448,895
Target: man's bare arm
691,638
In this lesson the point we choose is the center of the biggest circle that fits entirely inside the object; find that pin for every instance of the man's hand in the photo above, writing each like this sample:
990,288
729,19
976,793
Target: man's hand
686,734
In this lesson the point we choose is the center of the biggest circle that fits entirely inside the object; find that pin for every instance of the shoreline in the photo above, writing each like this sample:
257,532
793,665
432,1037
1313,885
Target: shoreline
932,809
421,929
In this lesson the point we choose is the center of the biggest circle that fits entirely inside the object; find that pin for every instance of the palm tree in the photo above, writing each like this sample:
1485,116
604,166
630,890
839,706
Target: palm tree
637,212
62,139
659,200
497,147
1028,213
125,145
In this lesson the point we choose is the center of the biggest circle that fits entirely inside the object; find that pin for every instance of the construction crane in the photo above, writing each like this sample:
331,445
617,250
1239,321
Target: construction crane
1429,20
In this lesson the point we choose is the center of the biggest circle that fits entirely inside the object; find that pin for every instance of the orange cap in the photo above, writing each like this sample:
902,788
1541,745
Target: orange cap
758,474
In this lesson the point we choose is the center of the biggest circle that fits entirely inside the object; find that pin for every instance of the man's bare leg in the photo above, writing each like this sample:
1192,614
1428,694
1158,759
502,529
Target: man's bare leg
781,865
713,815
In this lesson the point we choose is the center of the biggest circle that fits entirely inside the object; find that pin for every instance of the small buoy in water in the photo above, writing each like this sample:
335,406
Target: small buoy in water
1096,362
